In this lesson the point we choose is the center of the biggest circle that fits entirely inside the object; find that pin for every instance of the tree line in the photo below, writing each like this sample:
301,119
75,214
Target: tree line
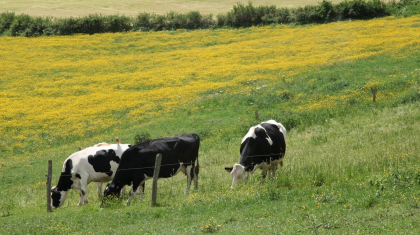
241,15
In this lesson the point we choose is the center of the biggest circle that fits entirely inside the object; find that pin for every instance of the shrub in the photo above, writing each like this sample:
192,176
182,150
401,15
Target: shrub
116,23
325,12
141,137
175,21
157,22
359,9
276,16
243,16
91,24
142,22
68,26
6,19
304,15
21,26
194,20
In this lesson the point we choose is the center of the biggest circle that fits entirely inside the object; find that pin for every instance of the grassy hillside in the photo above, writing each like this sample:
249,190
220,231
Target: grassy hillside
351,165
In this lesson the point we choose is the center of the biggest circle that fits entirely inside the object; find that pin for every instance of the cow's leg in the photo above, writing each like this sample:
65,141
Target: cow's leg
99,188
83,188
275,166
194,172
81,194
264,169
123,190
189,178
137,188
130,194
273,171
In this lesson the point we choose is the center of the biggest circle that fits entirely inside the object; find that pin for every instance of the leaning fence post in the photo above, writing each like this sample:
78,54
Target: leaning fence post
374,94
49,176
155,177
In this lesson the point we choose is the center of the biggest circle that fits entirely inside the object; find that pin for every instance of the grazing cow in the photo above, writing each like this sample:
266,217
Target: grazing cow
93,164
179,153
264,147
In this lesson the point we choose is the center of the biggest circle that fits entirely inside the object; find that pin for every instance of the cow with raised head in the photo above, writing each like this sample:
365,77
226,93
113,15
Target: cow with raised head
264,147
93,164
179,154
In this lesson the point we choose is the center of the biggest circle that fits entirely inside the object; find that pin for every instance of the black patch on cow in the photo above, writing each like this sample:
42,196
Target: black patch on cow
101,161
64,183
78,176
257,150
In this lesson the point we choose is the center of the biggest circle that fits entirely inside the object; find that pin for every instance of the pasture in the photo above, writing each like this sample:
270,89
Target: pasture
351,167
74,8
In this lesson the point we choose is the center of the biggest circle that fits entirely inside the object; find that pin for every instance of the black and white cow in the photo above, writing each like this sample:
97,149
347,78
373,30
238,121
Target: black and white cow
93,164
179,153
264,147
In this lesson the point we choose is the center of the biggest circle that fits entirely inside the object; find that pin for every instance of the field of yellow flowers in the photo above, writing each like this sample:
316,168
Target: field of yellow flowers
66,88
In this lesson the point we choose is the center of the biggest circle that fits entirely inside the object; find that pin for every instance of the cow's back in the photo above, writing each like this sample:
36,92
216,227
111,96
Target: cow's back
277,137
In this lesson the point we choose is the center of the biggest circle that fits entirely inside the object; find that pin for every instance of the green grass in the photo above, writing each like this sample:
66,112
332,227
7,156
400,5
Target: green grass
369,185
351,169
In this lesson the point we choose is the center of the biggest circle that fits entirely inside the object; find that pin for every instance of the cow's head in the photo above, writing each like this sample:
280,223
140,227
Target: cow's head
58,197
239,173
112,190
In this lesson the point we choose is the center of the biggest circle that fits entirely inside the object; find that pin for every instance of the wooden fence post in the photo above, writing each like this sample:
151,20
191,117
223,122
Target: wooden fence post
374,94
49,176
155,178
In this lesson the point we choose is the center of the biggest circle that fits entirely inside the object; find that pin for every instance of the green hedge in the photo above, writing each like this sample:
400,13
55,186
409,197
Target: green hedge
241,16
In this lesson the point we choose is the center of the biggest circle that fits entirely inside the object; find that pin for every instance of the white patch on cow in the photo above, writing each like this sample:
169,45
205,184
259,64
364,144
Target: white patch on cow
251,134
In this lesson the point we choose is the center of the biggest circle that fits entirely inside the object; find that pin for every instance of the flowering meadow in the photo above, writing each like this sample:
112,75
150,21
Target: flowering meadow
351,167
65,88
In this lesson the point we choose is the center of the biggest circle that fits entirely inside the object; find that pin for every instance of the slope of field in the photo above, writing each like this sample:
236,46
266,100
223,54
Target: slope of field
85,84
352,166
76,8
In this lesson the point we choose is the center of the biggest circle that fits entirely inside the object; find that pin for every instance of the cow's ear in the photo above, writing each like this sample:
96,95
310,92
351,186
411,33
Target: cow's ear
229,169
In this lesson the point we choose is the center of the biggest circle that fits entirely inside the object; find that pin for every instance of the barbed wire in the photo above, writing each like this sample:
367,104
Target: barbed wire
188,163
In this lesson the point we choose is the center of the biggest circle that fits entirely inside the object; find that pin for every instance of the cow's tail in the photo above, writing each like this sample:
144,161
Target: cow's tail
197,168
